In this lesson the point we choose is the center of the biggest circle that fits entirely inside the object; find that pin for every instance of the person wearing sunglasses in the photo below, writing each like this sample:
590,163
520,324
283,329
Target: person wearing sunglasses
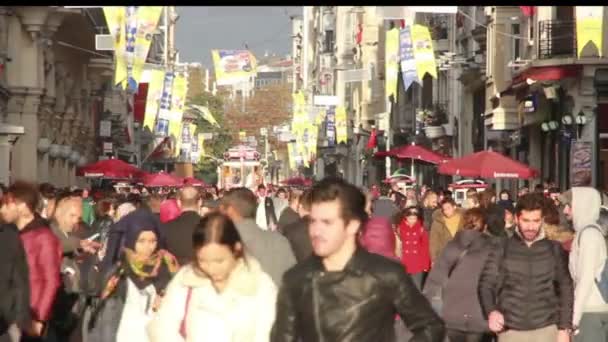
415,255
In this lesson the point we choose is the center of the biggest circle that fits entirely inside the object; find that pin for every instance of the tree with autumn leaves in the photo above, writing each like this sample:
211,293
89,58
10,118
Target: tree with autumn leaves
213,150
268,106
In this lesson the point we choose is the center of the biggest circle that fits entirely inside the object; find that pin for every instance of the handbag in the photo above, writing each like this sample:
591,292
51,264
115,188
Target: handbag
182,326
437,299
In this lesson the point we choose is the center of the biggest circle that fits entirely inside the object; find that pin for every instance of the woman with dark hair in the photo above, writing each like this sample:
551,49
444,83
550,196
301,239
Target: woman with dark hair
451,286
222,296
134,286
415,254
551,224
494,216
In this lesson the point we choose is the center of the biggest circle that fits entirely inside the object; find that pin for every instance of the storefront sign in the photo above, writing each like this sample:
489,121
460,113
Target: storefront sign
331,126
105,128
581,153
107,147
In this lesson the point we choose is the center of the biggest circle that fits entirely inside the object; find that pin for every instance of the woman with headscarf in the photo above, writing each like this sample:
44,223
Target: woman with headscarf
132,290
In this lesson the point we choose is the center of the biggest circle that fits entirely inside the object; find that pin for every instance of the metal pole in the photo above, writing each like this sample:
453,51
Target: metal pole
388,135
166,38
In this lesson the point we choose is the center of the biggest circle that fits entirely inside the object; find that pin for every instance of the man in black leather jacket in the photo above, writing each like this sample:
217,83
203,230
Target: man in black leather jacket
14,282
344,293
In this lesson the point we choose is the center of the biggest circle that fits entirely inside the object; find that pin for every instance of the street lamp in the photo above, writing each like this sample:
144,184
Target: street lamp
567,120
581,120
549,126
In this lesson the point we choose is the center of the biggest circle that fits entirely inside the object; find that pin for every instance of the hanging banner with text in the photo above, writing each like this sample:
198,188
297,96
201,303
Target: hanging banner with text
147,18
233,66
330,120
116,20
178,99
154,78
589,22
341,127
408,62
391,63
423,51
292,155
164,107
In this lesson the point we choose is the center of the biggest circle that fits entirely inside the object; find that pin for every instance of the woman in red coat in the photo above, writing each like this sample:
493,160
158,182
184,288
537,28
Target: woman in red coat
415,255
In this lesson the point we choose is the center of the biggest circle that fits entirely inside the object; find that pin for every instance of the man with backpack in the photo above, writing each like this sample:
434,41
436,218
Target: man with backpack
525,289
582,206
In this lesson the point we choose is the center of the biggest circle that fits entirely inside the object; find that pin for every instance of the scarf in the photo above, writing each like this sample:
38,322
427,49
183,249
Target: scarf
156,270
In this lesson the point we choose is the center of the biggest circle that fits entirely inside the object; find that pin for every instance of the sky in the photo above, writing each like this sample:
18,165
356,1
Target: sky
264,28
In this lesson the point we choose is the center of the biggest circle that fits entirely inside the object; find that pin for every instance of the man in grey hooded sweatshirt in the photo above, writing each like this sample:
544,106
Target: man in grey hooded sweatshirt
587,260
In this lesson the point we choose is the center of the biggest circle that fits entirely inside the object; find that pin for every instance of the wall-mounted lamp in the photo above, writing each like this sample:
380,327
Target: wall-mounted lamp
567,119
581,119
549,126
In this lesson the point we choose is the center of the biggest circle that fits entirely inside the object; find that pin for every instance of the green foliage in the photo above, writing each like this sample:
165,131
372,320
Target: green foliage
214,148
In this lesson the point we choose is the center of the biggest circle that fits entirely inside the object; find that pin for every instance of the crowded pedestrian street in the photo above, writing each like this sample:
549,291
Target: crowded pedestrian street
303,174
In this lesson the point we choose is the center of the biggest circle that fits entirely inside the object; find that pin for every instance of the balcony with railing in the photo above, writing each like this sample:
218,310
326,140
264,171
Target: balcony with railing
557,39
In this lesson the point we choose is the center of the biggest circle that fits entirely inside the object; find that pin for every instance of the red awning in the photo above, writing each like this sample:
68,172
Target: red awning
550,73
415,152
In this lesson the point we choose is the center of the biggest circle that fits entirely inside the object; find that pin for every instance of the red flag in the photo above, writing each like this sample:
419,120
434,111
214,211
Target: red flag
359,36
528,11
373,140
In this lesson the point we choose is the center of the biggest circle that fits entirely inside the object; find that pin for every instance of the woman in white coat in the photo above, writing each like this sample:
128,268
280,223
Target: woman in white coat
222,296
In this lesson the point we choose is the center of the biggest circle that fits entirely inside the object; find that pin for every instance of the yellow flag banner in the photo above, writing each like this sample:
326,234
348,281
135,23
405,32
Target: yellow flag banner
424,54
147,21
320,117
341,127
201,144
313,138
233,66
391,62
195,147
178,98
155,80
115,19
589,22
299,126
292,156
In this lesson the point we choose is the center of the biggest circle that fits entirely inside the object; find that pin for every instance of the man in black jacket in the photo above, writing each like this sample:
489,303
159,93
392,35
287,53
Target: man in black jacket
345,293
178,232
525,288
14,282
297,232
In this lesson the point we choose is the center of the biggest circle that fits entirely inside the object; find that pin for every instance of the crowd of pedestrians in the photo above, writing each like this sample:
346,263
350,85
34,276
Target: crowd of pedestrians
328,263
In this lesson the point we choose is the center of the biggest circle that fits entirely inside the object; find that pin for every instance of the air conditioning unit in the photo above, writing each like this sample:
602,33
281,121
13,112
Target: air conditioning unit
104,42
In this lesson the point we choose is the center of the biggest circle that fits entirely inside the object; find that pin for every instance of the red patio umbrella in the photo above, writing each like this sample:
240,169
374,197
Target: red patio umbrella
487,164
161,179
297,181
194,182
415,152
109,168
